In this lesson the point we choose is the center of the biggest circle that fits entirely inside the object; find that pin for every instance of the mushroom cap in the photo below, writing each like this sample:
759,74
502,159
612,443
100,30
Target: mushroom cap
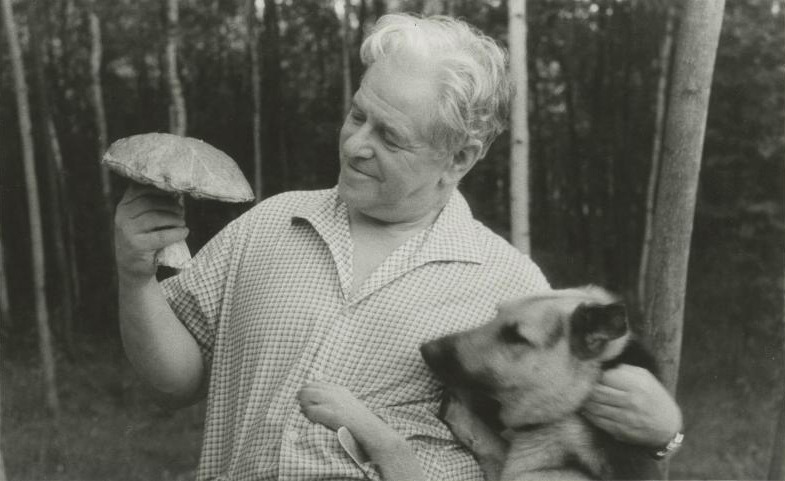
179,164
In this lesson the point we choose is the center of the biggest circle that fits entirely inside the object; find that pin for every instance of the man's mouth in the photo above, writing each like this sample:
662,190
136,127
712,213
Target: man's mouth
359,171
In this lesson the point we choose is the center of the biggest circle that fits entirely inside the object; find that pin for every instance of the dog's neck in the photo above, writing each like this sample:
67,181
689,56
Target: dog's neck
560,445
552,405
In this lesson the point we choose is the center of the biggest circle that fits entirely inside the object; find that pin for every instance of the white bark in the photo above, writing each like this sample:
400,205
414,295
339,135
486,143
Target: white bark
34,214
666,51
519,129
685,127
177,112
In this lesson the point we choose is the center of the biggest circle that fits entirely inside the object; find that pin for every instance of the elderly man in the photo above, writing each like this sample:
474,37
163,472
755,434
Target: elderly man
343,285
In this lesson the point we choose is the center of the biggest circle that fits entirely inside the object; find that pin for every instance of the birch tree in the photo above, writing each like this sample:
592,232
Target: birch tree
777,462
664,60
177,112
5,318
3,476
34,211
55,182
5,303
346,56
273,85
519,129
97,100
685,126
256,92
433,7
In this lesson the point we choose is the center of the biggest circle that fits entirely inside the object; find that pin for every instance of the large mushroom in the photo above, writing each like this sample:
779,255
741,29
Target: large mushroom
182,165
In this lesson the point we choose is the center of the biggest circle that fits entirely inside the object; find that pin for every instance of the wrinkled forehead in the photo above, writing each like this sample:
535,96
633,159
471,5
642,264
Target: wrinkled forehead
400,90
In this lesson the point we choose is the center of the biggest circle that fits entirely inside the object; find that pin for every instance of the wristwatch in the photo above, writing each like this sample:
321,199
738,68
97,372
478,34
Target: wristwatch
673,445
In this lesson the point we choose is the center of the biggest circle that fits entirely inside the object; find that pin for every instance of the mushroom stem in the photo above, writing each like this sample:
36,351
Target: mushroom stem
174,255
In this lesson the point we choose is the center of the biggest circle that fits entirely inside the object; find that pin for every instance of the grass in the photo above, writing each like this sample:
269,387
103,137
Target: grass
108,428
730,390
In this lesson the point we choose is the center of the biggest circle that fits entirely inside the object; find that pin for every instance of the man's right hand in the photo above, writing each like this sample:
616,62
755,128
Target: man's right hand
146,220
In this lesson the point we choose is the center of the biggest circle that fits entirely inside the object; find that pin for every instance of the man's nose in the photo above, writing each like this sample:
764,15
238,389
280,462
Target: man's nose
358,144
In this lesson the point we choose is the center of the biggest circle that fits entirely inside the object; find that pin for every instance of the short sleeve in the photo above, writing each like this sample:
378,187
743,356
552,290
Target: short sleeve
197,293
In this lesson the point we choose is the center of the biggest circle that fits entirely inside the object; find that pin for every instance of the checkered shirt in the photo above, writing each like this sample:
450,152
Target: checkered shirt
271,304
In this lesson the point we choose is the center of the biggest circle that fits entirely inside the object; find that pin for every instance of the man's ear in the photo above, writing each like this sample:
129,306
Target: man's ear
593,327
462,161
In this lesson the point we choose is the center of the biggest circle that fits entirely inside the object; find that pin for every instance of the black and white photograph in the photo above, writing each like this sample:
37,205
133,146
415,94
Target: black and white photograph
392,240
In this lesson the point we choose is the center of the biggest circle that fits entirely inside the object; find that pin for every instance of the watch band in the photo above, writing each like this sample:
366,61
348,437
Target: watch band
673,445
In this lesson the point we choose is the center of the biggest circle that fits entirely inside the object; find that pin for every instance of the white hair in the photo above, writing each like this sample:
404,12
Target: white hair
474,89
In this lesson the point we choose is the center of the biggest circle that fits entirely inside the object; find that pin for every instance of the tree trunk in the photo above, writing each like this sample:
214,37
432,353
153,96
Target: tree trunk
519,129
97,98
256,90
666,52
36,232
276,118
55,183
685,126
433,7
5,302
3,477
5,318
101,144
777,462
177,113
346,56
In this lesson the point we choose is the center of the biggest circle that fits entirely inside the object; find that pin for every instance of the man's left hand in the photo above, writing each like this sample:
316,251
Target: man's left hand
630,404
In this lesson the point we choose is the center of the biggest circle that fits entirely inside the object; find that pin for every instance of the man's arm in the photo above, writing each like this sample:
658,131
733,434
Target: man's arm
159,347
335,407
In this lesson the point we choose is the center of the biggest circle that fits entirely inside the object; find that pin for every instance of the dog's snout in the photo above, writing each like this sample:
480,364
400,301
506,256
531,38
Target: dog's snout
439,356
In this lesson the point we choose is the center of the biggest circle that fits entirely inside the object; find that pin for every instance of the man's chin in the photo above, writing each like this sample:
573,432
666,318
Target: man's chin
356,199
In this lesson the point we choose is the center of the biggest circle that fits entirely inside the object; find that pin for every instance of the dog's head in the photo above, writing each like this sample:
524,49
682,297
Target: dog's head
539,357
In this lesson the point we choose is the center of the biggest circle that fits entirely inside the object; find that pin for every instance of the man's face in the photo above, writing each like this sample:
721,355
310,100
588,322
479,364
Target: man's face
389,170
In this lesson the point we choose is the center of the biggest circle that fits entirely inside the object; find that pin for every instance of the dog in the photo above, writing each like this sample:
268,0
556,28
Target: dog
516,385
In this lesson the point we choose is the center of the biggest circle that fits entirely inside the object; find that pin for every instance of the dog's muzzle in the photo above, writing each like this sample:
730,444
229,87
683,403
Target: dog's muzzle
440,357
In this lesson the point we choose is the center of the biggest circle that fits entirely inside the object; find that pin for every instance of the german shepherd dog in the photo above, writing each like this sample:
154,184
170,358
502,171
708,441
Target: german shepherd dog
517,384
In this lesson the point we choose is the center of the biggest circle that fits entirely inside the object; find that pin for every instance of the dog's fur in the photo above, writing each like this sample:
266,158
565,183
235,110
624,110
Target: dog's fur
518,383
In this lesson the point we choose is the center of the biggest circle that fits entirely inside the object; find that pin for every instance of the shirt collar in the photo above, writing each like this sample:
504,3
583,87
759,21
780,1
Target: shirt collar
452,237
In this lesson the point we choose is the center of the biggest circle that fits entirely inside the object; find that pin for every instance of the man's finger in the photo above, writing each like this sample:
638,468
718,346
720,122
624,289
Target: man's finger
161,238
601,422
623,376
136,189
155,201
603,410
608,395
158,220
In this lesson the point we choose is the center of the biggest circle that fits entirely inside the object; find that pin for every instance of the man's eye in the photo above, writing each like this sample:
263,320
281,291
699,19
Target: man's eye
391,144
356,117
511,335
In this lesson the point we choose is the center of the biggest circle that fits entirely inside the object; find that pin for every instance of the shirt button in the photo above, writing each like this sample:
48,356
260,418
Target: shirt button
292,435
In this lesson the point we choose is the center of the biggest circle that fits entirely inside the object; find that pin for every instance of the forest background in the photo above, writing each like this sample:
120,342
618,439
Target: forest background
593,69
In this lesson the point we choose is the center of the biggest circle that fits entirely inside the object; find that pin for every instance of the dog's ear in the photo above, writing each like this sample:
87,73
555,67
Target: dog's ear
594,326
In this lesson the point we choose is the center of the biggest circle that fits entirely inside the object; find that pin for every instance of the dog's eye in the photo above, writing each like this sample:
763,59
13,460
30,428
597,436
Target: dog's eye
511,335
